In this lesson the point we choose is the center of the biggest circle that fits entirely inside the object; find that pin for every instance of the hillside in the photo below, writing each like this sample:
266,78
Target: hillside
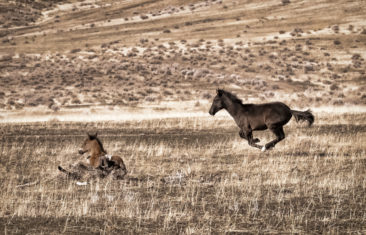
139,53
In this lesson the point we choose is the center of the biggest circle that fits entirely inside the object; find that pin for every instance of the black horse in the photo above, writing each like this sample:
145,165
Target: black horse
255,117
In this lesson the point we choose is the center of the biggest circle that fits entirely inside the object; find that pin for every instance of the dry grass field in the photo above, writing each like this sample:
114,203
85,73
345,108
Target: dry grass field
142,73
190,175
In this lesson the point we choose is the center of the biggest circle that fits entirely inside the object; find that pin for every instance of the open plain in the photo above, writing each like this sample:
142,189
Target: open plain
143,74
190,175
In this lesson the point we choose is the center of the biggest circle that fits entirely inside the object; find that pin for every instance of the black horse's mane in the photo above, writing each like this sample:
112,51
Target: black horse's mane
232,97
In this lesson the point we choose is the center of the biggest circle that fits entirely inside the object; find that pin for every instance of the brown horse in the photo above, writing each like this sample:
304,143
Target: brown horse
253,117
95,150
99,161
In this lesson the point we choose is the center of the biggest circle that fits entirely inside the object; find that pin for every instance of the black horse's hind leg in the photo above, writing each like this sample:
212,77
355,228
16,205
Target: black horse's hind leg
242,135
280,135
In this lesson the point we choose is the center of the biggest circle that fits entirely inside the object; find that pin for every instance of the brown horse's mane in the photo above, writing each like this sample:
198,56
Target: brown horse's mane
231,96
94,137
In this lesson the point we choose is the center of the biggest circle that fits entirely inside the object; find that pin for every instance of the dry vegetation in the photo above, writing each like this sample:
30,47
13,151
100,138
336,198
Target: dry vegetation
191,175
126,53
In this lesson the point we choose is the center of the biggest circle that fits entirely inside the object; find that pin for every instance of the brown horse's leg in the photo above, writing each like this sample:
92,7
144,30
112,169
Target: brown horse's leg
242,135
280,135
72,175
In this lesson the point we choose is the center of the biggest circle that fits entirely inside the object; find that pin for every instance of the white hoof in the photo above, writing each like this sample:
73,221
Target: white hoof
81,183
263,148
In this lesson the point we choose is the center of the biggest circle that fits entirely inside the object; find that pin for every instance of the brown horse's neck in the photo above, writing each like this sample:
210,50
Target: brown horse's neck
95,155
96,152
94,159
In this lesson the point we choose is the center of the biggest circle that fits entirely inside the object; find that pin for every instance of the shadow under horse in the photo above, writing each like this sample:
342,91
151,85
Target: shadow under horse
257,117
100,164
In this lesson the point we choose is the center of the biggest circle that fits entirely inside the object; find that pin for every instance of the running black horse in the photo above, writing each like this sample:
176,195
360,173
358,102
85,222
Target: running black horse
256,117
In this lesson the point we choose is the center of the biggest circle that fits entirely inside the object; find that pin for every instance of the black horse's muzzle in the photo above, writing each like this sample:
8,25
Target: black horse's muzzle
212,112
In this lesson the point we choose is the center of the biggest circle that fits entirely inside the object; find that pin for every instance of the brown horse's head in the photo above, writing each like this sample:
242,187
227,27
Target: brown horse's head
92,145
217,103
94,148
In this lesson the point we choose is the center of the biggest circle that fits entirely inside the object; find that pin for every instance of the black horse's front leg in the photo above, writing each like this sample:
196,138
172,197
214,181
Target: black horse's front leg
248,135
243,135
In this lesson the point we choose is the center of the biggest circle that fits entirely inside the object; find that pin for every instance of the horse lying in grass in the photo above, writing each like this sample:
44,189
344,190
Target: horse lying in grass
100,163
255,117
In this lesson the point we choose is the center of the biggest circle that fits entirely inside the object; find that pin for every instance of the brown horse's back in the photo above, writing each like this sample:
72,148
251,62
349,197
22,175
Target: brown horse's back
115,165
117,160
120,169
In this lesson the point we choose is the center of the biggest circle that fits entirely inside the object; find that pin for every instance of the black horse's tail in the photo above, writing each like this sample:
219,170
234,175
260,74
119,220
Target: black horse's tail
303,116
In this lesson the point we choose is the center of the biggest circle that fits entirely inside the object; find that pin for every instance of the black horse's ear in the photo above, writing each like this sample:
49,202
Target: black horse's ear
219,92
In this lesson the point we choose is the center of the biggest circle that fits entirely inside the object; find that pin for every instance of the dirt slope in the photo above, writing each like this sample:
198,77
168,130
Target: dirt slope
143,52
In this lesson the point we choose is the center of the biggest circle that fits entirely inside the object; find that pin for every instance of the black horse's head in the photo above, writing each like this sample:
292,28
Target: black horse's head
217,103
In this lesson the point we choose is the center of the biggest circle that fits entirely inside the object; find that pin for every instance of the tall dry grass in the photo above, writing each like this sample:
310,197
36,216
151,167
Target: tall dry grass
187,175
